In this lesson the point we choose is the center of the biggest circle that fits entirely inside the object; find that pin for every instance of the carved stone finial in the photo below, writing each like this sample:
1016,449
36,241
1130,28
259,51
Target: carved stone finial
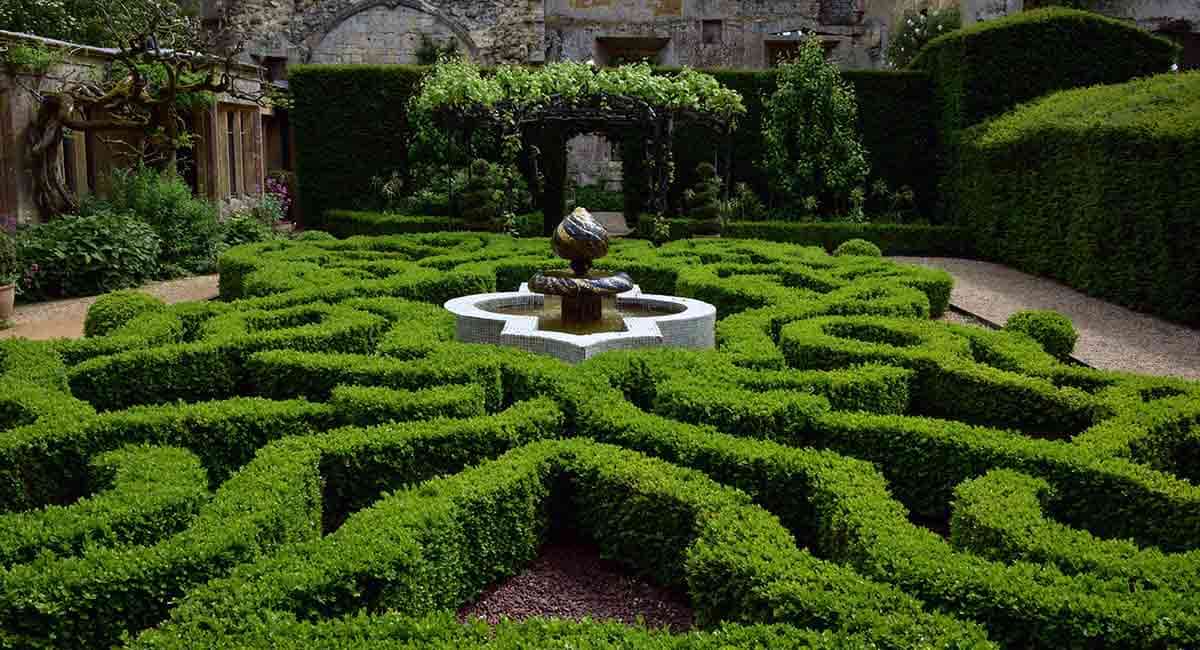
580,239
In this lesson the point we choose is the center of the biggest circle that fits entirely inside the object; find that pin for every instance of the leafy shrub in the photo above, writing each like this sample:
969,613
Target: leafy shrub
482,198
860,247
112,310
1053,331
10,261
186,225
810,131
314,235
598,199
241,229
82,256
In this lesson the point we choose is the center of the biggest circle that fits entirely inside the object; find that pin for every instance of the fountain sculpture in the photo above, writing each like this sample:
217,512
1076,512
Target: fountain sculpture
578,313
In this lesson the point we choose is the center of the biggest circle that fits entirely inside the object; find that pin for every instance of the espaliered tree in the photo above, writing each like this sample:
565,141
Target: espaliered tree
165,65
534,112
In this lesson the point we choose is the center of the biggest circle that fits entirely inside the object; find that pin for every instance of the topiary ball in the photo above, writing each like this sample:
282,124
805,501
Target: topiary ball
314,235
113,310
1053,331
860,247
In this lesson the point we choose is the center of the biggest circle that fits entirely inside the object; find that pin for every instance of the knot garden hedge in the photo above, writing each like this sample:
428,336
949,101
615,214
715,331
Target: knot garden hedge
315,462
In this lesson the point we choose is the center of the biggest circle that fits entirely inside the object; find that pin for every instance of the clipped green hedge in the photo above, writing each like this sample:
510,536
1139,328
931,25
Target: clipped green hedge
893,239
990,67
346,223
351,125
272,502
871,478
1097,188
444,542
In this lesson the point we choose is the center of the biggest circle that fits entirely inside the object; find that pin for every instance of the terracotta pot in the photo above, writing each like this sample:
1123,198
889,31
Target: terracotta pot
8,294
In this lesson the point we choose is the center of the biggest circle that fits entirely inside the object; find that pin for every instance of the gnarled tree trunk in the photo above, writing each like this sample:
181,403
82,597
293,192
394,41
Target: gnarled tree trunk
44,139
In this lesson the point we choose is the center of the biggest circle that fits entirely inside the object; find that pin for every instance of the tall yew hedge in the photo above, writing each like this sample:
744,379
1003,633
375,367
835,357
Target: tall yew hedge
350,125
992,66
1096,187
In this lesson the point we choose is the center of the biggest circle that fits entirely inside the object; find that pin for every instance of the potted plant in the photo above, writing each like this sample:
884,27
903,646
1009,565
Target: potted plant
10,270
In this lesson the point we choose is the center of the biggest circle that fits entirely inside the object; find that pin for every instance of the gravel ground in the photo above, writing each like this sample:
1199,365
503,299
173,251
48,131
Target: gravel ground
1110,337
570,580
64,318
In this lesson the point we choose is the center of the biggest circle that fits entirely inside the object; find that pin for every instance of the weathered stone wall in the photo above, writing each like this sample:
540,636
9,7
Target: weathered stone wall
319,31
382,35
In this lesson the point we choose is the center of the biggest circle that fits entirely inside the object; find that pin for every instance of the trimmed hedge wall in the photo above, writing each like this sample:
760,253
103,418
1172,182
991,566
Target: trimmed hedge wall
1098,188
341,145
798,482
350,123
992,66
892,239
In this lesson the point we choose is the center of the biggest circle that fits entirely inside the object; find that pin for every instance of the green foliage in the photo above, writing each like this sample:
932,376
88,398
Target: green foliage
704,200
787,481
916,28
995,65
83,256
11,269
458,83
810,133
186,224
597,199
338,143
345,223
482,197
36,59
896,121
860,247
241,229
113,310
149,493
1095,188
1053,331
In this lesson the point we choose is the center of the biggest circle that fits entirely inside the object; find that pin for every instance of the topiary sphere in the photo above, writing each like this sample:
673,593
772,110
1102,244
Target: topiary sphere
860,247
314,235
113,310
1053,331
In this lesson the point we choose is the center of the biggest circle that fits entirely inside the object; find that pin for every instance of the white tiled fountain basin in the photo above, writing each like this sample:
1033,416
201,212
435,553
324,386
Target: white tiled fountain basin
692,327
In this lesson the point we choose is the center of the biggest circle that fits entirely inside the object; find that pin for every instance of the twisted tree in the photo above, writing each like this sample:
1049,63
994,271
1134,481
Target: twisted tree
165,65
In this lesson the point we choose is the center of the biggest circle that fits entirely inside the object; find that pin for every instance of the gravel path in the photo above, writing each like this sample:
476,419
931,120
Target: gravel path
570,580
64,318
1110,337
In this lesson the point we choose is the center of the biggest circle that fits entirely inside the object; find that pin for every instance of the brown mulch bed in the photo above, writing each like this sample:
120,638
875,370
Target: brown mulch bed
570,580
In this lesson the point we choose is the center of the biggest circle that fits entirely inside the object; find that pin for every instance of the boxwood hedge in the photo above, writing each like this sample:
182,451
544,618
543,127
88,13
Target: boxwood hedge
315,461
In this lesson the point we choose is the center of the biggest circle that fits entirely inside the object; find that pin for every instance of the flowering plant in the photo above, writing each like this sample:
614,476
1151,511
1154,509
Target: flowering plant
915,29
278,189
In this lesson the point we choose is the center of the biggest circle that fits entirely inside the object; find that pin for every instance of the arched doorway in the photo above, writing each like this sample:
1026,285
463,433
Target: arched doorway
389,32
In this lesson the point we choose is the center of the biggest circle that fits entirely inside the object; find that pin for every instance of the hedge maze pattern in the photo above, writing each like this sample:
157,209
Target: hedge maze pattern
314,462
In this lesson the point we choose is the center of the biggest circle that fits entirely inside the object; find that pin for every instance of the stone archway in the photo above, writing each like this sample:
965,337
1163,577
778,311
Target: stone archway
387,32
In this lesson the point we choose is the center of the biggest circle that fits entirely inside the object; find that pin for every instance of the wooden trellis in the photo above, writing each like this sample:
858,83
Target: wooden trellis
545,128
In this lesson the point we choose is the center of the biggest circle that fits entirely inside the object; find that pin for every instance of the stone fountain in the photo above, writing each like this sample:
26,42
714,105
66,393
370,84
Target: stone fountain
576,314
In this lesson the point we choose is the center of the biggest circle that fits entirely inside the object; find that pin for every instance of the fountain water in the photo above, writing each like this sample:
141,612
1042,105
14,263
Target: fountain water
575,314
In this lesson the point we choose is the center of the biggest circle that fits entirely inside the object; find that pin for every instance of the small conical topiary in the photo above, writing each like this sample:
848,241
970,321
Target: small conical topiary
704,203
481,200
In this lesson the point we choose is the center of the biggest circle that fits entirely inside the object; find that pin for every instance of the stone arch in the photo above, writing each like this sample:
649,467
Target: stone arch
385,31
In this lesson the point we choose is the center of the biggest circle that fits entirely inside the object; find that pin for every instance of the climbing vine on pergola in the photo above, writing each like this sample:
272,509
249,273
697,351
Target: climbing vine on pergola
537,110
